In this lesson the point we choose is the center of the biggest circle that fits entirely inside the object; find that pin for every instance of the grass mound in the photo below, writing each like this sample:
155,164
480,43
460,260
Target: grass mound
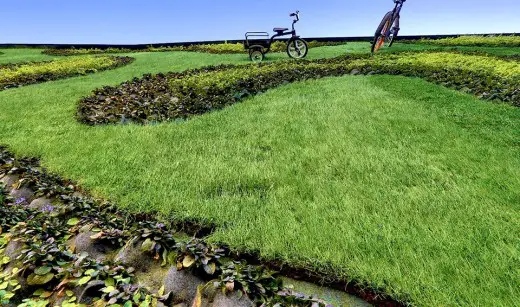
392,181
226,48
37,246
15,75
472,40
180,95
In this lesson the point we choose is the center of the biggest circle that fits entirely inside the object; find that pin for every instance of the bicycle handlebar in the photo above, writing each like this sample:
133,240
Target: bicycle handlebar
297,15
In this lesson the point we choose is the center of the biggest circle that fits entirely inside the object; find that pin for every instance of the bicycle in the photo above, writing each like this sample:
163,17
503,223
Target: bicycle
297,48
388,29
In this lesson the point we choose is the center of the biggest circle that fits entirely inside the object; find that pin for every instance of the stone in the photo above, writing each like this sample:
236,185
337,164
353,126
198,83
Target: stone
77,194
466,90
87,294
22,196
8,181
13,249
132,255
231,300
152,277
182,284
83,243
355,72
39,203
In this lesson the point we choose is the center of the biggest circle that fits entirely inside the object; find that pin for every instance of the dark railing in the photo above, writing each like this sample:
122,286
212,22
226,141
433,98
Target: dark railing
144,46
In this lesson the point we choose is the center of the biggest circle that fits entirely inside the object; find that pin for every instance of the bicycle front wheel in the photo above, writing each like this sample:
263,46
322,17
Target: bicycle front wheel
381,33
297,48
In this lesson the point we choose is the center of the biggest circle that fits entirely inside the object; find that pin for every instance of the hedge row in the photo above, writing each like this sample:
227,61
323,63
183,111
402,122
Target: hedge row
227,48
172,96
41,218
471,40
15,75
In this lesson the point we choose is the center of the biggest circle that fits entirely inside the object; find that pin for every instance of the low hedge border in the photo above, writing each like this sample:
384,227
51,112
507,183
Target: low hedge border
20,74
470,40
42,216
228,48
171,96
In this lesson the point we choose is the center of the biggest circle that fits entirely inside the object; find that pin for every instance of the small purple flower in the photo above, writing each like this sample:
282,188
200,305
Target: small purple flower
20,201
299,295
160,225
47,208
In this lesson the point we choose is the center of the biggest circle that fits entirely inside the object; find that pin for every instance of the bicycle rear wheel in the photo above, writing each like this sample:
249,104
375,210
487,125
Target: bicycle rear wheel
382,29
256,54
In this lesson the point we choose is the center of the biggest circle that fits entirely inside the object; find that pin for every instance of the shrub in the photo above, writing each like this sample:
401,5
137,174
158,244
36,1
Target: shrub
14,75
472,40
226,48
181,95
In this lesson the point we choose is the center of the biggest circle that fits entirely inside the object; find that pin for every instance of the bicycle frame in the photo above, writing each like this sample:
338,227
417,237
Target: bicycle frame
396,13
292,33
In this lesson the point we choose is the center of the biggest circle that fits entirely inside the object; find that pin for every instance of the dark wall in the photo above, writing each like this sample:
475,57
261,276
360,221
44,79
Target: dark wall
143,46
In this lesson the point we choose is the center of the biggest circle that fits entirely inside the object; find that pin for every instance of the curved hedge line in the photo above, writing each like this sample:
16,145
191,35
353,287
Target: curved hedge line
15,75
41,262
227,48
171,96
471,40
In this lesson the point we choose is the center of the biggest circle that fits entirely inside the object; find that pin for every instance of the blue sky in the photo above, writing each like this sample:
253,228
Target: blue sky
158,21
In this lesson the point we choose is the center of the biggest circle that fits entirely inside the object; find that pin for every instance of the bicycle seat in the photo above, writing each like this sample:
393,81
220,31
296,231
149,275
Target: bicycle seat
280,30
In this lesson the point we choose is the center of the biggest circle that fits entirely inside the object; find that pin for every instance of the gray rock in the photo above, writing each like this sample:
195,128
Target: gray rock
77,194
83,243
152,277
466,90
355,72
87,294
180,305
84,294
24,194
39,203
231,300
132,255
13,249
182,284
8,181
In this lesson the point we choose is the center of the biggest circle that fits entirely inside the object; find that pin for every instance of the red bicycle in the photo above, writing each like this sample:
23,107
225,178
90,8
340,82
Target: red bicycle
388,29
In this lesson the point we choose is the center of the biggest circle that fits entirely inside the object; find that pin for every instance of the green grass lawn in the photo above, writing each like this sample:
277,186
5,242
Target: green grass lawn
392,181
16,55
500,51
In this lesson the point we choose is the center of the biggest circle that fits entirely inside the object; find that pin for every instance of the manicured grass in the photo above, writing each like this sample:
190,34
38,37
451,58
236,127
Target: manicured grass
499,51
475,40
392,181
15,55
